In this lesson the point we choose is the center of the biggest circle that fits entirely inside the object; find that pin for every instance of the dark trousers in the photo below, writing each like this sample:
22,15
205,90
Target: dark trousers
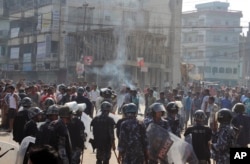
103,155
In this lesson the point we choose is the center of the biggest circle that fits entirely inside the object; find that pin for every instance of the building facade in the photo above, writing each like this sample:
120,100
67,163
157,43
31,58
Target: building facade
51,40
210,41
4,35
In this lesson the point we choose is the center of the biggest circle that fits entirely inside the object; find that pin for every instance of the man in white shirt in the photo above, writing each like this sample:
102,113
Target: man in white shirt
205,104
94,94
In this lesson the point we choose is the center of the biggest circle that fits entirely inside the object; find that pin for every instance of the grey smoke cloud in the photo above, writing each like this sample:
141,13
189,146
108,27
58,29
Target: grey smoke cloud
131,17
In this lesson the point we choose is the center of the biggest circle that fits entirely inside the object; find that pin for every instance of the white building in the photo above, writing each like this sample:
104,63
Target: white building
210,41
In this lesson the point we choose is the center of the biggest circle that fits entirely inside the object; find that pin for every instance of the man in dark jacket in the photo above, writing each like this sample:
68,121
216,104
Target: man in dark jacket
103,131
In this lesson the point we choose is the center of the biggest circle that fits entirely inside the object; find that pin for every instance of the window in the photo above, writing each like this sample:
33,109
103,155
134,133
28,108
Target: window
200,69
107,18
201,38
216,38
208,69
214,70
226,38
228,70
235,71
221,70
200,54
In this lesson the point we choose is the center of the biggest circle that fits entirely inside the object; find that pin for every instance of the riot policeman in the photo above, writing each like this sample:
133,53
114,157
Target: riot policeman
81,99
103,131
77,135
30,128
242,122
59,135
21,119
157,112
42,137
173,119
200,137
226,137
133,143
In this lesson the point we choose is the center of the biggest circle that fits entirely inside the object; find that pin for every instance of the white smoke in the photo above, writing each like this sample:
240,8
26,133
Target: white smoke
131,16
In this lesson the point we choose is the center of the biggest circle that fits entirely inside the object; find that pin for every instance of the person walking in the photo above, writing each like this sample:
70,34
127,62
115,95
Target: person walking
103,132
133,144
201,135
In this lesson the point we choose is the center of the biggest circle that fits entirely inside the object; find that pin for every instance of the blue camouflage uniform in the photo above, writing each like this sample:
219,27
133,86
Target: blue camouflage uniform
132,142
225,138
162,123
42,137
175,126
60,140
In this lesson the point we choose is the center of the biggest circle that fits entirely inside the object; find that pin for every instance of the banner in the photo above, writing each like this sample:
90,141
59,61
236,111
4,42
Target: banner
55,20
88,60
14,32
41,50
144,69
46,22
79,68
140,62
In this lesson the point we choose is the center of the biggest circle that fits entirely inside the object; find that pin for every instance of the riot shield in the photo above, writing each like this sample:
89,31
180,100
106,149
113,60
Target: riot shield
24,147
87,121
167,147
8,152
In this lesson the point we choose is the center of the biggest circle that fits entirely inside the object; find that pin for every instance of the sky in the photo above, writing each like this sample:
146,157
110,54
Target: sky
240,5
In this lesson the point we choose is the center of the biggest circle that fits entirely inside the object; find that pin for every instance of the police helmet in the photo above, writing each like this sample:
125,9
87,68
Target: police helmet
106,106
26,102
34,111
61,87
80,90
224,115
106,92
239,108
157,107
199,115
48,102
53,109
64,111
124,107
131,108
172,107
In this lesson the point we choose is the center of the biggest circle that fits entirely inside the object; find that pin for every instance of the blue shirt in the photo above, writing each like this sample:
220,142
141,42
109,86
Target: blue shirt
226,103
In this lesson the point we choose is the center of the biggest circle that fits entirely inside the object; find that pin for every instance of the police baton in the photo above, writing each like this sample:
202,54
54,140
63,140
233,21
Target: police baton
116,157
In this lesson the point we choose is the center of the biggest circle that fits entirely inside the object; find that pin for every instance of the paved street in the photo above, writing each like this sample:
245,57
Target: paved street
88,157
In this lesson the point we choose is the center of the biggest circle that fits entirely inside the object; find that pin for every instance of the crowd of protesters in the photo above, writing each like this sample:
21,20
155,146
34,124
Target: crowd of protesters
205,113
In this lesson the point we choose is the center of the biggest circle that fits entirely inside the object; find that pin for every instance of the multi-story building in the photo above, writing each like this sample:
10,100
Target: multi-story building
130,30
49,38
4,31
245,55
210,41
